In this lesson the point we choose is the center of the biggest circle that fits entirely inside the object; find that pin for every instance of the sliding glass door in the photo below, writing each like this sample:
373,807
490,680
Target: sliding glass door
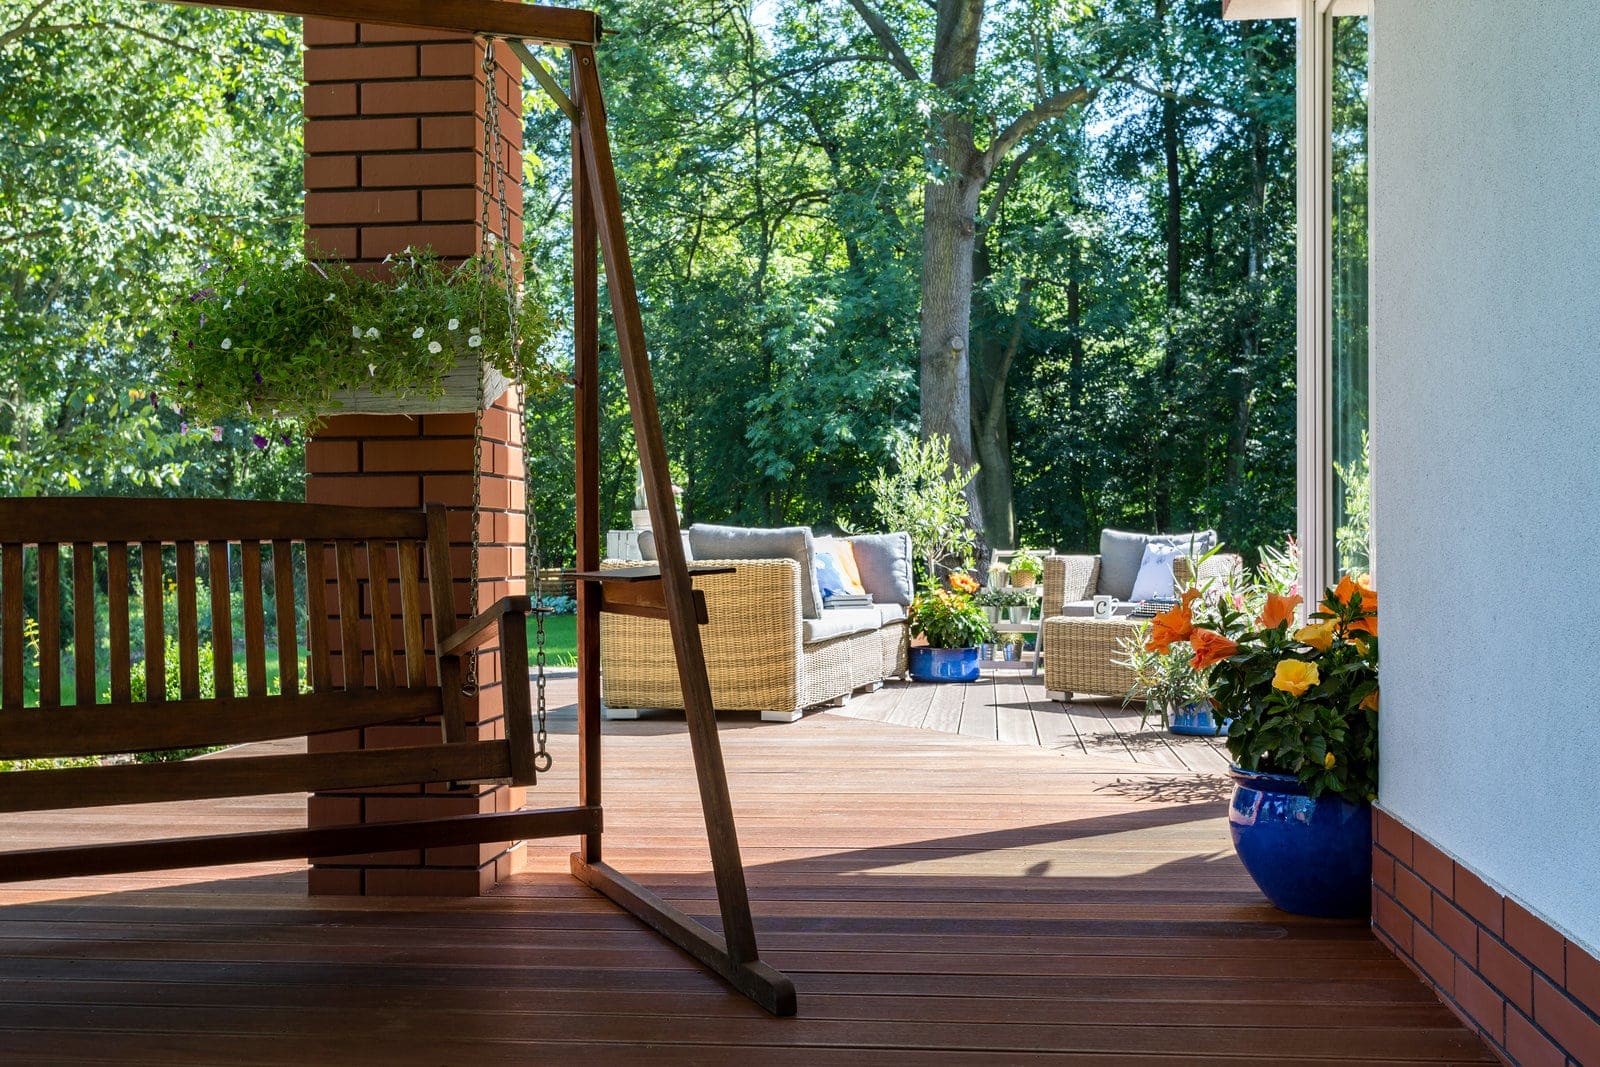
1334,500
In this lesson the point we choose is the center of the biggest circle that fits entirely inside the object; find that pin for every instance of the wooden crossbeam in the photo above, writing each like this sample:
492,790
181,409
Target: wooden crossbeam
560,26
79,860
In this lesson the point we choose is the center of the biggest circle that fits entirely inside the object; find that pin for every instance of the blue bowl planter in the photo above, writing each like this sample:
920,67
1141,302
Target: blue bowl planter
1195,720
944,664
1310,857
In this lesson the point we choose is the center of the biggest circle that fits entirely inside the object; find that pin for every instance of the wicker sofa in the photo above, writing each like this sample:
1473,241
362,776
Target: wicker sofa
1080,652
762,653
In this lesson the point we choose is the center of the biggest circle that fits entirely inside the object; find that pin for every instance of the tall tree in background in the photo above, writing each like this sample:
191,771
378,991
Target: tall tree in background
137,139
961,164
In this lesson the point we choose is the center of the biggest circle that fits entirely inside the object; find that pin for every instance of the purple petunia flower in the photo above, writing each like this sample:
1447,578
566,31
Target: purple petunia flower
257,440
202,294
183,428
216,434
258,377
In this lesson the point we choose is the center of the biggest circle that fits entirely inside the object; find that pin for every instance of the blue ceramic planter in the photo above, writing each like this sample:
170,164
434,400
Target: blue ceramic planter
944,664
1310,857
1195,720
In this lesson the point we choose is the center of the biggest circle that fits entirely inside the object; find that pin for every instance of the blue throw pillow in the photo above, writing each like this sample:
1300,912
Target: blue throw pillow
830,578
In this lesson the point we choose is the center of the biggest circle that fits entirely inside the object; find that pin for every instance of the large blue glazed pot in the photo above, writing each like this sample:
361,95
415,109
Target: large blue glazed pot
1310,857
944,664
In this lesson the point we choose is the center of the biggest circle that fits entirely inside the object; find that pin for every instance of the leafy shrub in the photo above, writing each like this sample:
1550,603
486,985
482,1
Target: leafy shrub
949,619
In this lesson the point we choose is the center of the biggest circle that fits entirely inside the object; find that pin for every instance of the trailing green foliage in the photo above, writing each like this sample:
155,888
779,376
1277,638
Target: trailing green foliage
280,336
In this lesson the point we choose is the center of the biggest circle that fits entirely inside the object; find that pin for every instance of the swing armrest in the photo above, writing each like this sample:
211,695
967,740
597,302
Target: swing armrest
473,632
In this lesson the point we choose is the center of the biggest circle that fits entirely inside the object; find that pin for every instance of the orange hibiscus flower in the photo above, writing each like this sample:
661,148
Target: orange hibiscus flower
1188,597
1279,610
1173,625
1347,589
1210,647
963,583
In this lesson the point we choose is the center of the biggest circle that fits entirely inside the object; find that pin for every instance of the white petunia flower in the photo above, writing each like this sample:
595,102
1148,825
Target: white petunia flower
474,341
453,324
355,331
328,299
372,370
239,291
417,333
435,347
372,333
227,343
474,331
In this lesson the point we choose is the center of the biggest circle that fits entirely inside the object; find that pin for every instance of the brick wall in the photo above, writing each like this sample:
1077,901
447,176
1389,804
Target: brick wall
393,141
1531,993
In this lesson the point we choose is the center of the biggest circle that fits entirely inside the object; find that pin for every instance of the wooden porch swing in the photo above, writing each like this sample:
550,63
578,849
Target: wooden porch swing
177,530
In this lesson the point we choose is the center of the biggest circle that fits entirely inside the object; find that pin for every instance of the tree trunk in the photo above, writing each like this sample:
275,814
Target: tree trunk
949,219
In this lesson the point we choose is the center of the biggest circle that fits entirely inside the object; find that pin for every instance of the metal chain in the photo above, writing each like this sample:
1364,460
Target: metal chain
500,253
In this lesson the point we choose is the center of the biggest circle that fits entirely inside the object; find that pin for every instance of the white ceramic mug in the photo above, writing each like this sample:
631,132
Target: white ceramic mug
1103,606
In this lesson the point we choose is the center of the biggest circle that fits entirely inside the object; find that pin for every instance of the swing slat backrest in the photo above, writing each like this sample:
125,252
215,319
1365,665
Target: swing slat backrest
195,566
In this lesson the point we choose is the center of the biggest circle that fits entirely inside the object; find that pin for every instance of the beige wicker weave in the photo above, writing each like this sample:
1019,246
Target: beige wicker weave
754,653
1080,656
1079,652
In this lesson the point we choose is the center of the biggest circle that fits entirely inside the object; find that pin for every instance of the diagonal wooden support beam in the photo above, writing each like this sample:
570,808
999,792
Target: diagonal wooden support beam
547,81
738,942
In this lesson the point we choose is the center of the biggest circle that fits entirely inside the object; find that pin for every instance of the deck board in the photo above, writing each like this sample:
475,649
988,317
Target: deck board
938,898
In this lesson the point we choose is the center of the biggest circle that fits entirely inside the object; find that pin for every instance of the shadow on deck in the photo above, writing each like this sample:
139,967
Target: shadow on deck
936,898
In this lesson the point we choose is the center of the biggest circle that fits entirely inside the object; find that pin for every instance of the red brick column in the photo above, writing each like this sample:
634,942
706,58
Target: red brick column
393,140
1526,989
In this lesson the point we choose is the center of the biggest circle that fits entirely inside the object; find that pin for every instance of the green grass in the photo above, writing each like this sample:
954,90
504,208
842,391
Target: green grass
560,640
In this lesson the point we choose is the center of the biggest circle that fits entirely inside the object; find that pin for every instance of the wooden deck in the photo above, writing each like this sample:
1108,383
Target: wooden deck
1009,704
938,898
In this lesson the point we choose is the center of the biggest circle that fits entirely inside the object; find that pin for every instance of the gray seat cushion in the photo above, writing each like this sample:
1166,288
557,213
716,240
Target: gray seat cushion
884,561
1084,609
888,613
746,542
647,546
838,622
1121,553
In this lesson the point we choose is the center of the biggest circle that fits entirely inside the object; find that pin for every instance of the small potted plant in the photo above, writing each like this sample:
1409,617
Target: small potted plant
1019,604
997,574
1025,569
993,601
1173,689
954,626
1304,704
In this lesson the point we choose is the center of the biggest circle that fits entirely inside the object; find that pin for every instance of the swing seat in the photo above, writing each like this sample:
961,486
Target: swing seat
148,560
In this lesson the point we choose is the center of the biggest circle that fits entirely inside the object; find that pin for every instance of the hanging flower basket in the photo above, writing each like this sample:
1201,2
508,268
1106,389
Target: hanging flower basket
296,339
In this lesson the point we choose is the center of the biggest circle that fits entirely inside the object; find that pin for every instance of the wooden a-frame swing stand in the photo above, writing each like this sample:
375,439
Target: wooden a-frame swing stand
597,227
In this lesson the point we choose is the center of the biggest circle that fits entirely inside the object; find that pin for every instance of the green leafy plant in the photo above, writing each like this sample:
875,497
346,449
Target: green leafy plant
1004,598
926,497
1025,567
1304,700
280,337
1166,680
950,618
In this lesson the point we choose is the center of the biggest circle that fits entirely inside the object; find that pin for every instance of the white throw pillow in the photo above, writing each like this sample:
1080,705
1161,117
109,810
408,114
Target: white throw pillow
1155,572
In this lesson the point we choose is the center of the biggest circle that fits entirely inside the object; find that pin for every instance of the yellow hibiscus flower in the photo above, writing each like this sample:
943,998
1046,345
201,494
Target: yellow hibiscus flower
1319,635
1295,676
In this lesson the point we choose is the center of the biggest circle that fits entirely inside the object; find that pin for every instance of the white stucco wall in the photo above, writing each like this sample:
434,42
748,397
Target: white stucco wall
1486,437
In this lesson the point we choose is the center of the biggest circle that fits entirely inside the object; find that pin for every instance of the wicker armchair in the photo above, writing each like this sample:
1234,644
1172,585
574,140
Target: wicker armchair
1080,652
756,653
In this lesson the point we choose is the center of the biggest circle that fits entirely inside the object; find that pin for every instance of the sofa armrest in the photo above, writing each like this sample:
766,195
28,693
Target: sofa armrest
751,641
1068,578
